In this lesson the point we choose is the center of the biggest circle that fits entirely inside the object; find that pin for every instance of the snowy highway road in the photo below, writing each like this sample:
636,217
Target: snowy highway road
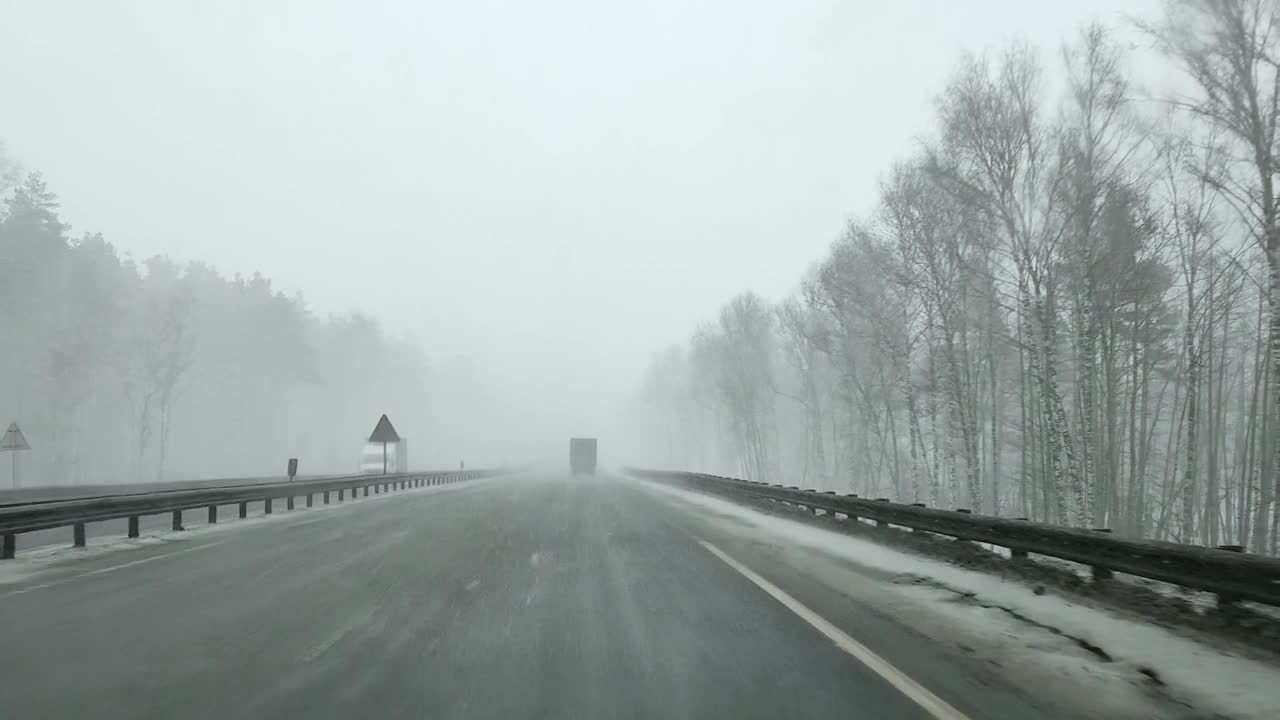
530,596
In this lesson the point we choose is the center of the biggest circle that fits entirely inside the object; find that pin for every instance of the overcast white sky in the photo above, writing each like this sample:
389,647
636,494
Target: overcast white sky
557,189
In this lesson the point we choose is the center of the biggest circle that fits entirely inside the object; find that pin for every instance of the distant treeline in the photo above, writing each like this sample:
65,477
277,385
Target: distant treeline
126,371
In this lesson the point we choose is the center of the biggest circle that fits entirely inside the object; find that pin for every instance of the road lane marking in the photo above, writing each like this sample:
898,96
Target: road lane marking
917,693
322,647
112,568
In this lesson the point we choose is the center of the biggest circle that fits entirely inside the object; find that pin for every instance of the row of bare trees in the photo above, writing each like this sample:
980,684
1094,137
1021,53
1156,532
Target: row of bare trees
1066,307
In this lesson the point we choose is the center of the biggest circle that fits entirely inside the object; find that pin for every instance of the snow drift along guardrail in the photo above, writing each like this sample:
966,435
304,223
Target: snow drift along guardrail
1232,575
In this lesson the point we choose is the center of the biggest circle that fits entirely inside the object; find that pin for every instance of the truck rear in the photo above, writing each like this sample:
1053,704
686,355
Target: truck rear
582,456
396,458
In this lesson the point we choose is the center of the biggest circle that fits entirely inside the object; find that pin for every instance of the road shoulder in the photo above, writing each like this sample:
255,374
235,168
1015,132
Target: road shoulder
971,652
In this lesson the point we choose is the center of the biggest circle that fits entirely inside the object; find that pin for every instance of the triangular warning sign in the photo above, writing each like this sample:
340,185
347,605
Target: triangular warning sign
13,439
384,432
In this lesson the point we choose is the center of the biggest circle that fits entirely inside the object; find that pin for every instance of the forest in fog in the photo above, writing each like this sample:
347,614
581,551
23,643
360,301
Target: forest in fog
1065,306
126,371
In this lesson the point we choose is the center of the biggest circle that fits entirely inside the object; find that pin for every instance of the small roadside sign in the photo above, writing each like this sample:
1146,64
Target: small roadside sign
293,468
14,442
384,433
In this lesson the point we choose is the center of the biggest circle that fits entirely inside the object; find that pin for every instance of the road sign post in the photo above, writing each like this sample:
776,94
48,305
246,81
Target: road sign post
13,442
293,468
384,433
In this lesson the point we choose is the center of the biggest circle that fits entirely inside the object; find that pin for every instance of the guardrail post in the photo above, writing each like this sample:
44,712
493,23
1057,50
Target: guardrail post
917,505
244,510
288,504
341,493
77,533
326,497
310,499
1018,553
882,523
213,514
133,526
1227,600
10,546
963,511
177,520
1101,574
366,491
266,506
852,515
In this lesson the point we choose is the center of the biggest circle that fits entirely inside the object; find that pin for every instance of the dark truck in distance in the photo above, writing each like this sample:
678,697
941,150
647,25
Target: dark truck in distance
582,456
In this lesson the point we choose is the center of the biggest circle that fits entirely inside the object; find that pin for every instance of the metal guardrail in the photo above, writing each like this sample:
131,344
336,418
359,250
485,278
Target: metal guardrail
1227,571
65,493
77,513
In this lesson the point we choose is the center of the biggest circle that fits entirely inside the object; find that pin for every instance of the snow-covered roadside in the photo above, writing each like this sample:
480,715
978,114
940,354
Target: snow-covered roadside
29,564
1208,679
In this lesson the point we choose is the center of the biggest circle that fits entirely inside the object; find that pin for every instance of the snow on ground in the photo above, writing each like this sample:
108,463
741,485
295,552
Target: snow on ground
35,561
1240,684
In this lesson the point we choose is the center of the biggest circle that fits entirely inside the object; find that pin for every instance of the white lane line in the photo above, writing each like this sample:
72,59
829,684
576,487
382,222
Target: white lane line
112,568
917,693
327,644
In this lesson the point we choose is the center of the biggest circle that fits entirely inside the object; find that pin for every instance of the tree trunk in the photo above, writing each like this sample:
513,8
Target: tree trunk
995,407
1267,483
1191,353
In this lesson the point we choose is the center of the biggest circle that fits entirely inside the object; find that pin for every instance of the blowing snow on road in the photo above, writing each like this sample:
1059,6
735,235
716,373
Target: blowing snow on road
531,595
